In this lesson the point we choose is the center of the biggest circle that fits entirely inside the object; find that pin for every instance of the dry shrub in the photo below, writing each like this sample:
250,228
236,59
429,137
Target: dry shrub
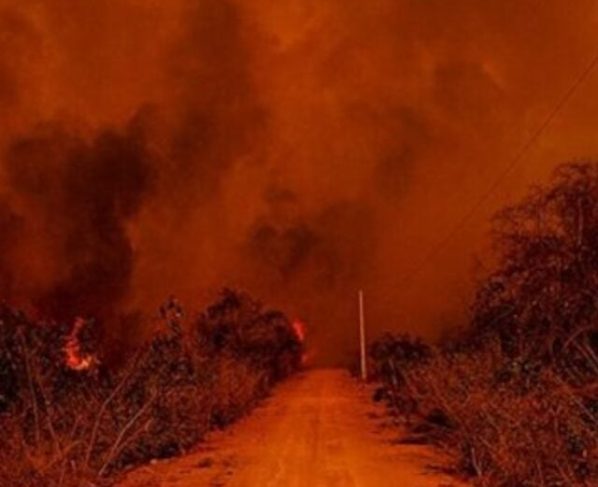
515,396
66,427
501,431
238,388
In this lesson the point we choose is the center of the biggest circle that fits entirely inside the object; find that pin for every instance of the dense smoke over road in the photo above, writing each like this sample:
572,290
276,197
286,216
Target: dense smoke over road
301,149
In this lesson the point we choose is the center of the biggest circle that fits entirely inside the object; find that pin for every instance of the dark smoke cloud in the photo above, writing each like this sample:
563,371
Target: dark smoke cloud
76,197
301,149
10,229
329,246
326,252
217,110
396,163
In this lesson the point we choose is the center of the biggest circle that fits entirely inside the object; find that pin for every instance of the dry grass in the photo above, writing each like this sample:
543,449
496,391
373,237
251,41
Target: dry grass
518,430
64,427
515,397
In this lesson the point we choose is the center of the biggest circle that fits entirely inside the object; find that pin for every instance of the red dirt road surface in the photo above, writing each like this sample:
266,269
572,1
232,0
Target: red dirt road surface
320,429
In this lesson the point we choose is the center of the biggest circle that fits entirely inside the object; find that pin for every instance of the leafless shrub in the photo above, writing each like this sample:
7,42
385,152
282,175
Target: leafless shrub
64,427
515,398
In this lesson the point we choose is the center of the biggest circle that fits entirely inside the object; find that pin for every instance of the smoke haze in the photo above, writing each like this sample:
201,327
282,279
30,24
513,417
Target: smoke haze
299,149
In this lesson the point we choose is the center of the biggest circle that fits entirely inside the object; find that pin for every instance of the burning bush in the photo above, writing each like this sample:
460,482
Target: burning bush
67,417
516,395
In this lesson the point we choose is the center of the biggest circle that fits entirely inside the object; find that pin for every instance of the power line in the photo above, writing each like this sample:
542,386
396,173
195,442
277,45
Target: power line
515,161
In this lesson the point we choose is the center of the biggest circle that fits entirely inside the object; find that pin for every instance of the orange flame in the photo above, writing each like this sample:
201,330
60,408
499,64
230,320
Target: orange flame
72,349
299,329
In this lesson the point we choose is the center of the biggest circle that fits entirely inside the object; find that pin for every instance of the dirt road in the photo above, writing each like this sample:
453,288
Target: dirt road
318,430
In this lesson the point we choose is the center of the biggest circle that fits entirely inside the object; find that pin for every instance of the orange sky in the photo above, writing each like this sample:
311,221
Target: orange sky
300,149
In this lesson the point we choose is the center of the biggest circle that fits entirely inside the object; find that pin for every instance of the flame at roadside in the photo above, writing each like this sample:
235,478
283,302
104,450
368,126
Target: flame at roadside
300,332
299,329
74,358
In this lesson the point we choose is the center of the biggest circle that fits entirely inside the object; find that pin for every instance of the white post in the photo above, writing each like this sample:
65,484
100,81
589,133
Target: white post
364,371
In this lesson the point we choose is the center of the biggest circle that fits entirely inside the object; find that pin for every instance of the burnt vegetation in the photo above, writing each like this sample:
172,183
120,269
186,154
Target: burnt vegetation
514,397
69,420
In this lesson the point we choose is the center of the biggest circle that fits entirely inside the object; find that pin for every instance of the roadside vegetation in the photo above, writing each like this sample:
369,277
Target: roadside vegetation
513,398
67,419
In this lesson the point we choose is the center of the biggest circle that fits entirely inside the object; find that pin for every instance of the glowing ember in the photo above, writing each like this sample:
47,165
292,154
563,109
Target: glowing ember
72,349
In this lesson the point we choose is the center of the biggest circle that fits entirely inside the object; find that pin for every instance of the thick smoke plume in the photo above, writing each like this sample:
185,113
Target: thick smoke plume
76,198
301,149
